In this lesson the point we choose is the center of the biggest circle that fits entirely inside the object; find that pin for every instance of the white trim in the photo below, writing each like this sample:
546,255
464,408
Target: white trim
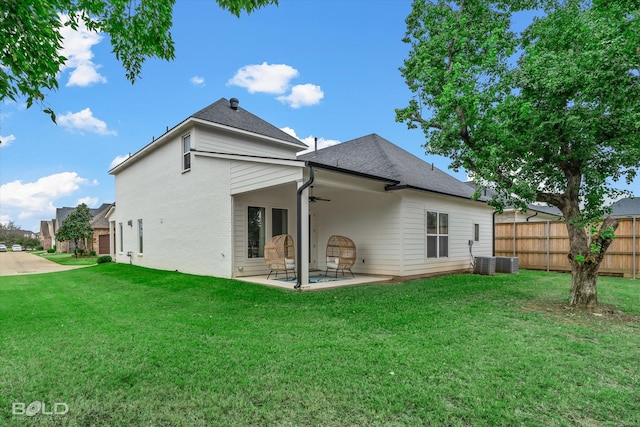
182,128
247,158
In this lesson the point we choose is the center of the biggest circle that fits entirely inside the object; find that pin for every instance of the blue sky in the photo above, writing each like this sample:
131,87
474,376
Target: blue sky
317,68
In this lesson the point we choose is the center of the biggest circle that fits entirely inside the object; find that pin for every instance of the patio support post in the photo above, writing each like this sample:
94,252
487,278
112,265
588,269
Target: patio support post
302,257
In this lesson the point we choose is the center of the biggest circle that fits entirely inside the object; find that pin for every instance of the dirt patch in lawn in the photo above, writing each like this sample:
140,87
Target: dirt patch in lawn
562,309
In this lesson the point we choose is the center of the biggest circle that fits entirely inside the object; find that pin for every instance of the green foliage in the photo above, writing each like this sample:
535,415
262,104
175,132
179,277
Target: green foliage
31,41
104,259
559,127
76,227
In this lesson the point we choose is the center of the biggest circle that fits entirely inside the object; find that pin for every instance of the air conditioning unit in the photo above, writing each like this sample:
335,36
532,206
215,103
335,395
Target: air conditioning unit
484,265
505,264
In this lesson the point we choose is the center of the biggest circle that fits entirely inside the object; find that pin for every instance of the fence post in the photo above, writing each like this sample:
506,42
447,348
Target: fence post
548,243
635,234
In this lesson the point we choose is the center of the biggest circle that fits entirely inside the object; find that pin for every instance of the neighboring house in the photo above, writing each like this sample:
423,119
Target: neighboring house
206,196
46,234
61,215
626,208
101,233
535,211
100,228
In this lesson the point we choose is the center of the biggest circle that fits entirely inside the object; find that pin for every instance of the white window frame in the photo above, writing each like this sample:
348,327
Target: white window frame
268,225
186,153
439,234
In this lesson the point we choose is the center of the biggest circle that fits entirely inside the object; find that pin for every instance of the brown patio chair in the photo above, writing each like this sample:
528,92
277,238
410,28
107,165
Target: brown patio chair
279,255
341,254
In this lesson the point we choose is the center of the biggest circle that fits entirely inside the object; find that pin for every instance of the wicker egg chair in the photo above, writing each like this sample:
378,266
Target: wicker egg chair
279,255
341,254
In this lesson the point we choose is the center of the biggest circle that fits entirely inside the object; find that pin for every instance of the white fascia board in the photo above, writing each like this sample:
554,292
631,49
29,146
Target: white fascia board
248,158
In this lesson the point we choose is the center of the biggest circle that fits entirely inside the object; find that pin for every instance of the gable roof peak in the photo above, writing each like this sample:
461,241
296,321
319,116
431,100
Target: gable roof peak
229,113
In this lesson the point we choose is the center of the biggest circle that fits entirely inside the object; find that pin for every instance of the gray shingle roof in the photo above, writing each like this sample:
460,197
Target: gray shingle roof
549,210
99,219
626,207
220,112
374,155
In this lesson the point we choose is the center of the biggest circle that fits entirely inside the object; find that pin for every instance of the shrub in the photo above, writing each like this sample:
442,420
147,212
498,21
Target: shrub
104,258
51,251
92,253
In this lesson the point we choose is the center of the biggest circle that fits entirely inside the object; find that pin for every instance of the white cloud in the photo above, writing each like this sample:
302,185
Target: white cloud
119,159
34,200
197,80
302,96
6,141
76,47
310,141
89,201
264,78
83,121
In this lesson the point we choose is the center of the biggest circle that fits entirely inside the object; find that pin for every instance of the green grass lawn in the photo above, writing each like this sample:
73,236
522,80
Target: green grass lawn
68,259
122,345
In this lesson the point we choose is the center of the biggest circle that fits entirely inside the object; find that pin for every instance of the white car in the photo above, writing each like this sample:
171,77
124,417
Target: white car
16,248
3,248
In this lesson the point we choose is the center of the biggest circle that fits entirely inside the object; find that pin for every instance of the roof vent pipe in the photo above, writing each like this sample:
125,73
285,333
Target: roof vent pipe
233,103
315,142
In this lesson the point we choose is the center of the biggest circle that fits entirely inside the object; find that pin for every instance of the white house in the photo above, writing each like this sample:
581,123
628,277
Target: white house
205,196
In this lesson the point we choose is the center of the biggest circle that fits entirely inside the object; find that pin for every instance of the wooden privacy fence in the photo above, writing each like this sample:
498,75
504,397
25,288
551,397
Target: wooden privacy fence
545,246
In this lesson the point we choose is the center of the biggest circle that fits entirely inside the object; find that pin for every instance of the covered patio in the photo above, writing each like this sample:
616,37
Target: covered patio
317,281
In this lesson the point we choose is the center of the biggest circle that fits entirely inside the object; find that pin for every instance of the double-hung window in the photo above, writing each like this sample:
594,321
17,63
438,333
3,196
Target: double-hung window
437,234
186,152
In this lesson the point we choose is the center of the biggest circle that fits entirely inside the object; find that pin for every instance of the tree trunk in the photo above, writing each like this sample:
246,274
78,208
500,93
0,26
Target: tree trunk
584,278
584,271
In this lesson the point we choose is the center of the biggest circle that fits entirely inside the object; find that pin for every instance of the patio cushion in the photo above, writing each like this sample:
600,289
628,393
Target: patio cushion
289,263
332,262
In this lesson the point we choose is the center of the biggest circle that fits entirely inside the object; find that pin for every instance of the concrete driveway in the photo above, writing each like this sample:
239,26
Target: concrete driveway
12,263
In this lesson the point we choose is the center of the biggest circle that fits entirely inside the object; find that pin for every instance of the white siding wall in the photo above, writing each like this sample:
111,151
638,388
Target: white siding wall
389,230
282,197
248,176
463,215
372,220
226,142
186,216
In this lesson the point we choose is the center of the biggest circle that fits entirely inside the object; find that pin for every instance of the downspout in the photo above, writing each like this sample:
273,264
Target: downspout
493,223
529,217
299,226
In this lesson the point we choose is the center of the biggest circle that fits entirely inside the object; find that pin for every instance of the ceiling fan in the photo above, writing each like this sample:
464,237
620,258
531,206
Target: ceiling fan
314,199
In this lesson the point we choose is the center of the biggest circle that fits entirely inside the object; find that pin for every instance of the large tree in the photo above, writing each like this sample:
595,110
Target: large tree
549,115
76,226
30,40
